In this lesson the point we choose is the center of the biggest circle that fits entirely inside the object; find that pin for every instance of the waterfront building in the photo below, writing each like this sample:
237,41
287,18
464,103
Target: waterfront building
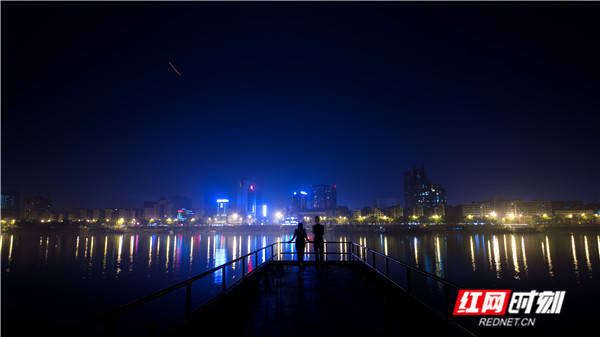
163,209
500,208
323,197
420,191
418,211
377,212
560,207
308,216
246,201
394,212
300,202
96,214
85,214
573,212
148,209
36,208
10,204
531,208
222,205
472,210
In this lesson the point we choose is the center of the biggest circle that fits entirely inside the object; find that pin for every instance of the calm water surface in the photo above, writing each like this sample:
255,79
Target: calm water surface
70,277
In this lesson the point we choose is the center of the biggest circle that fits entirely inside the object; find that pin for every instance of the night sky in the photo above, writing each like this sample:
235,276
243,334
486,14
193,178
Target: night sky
495,99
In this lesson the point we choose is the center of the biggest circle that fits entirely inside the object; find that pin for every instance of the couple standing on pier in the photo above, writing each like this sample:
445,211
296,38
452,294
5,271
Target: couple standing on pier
302,238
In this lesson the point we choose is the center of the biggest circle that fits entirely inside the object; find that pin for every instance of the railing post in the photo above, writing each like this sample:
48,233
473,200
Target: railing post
387,267
272,252
224,278
244,267
408,281
373,259
188,299
256,259
351,251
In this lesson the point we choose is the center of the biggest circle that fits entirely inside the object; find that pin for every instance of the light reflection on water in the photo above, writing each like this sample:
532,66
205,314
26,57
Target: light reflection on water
137,264
503,256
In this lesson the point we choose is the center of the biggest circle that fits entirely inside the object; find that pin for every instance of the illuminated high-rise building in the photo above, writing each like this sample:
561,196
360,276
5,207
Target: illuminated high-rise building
246,203
323,197
419,193
222,205
300,202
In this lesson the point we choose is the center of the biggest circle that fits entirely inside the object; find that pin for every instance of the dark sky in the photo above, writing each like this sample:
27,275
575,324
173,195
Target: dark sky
495,99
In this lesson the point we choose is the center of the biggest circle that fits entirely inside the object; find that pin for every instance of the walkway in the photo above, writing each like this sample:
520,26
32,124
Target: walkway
334,300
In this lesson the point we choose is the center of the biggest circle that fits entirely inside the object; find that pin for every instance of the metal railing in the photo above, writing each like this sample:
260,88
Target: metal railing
352,252
343,252
109,318
362,254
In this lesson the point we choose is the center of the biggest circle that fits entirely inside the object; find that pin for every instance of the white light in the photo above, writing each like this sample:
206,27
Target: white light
264,211
222,200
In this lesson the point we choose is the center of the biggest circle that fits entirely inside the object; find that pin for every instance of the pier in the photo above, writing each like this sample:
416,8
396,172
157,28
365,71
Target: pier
356,291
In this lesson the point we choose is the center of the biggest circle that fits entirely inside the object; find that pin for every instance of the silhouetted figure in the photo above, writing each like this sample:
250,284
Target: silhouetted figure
301,239
319,244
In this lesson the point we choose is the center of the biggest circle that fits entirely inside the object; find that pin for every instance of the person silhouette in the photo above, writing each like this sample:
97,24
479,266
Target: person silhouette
319,244
301,239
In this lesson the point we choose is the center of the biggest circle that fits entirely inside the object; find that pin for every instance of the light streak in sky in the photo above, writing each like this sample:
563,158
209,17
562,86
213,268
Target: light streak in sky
172,66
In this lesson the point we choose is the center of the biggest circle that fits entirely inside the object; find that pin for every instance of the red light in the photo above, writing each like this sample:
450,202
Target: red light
334,186
252,187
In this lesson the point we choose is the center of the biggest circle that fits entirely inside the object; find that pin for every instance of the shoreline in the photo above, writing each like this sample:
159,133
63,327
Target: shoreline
276,229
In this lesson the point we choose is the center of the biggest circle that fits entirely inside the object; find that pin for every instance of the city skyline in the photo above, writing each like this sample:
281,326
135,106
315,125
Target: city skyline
99,109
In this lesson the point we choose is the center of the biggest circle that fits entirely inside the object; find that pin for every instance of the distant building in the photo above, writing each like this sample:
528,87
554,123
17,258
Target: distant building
300,202
97,214
10,204
148,209
530,208
36,208
394,212
308,216
419,191
323,197
566,206
472,210
500,208
567,213
246,202
163,209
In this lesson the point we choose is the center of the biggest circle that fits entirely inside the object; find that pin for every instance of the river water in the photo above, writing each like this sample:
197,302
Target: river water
60,279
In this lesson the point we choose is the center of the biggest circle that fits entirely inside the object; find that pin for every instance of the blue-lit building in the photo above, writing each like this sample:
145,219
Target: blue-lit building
10,204
300,202
246,202
222,207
